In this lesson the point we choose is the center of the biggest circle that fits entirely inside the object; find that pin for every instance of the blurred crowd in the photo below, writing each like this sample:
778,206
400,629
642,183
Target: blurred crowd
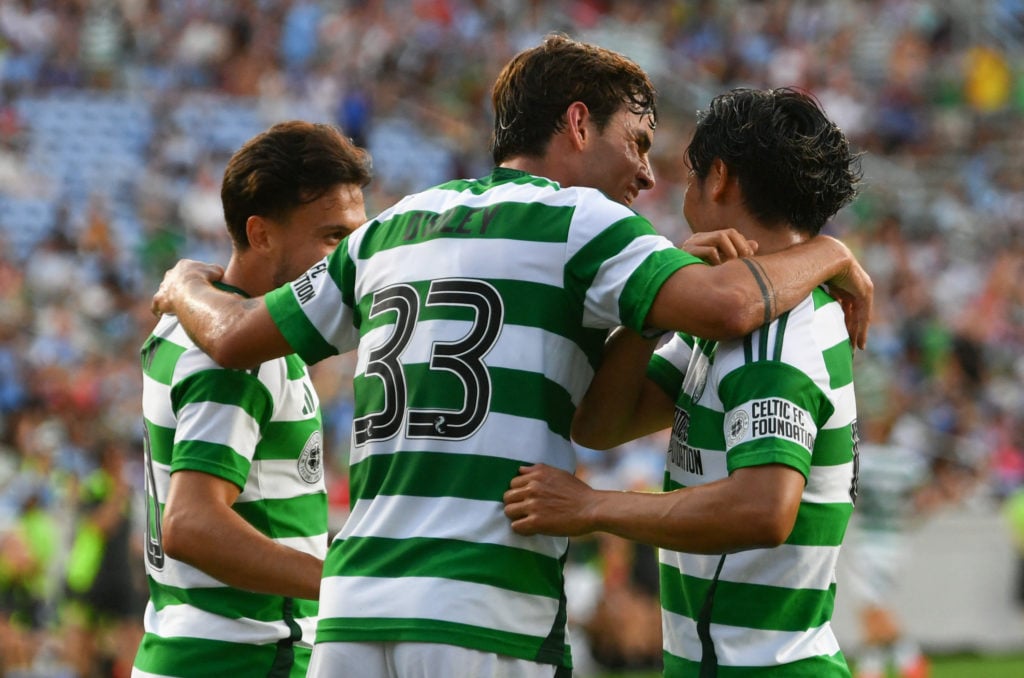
116,120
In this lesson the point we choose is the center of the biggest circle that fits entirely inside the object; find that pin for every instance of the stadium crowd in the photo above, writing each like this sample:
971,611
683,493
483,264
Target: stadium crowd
116,119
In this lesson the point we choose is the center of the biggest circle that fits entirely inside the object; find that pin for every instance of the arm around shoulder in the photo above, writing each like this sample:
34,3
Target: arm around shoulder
737,297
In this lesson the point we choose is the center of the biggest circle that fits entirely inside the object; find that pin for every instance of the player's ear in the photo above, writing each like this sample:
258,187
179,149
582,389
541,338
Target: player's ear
718,179
576,118
257,230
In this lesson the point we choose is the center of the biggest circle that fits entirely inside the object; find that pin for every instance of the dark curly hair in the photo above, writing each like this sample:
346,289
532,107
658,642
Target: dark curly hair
794,165
291,164
533,91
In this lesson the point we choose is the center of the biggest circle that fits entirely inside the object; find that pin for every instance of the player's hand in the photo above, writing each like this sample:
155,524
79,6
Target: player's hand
717,247
855,292
546,500
184,273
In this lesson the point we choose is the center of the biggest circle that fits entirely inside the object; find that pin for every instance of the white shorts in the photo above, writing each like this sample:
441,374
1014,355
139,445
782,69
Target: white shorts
417,660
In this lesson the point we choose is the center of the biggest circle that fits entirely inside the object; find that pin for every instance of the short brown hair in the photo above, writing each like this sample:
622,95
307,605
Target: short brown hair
536,87
291,164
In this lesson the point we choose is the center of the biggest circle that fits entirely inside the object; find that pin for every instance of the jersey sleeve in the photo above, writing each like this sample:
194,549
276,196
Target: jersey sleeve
667,367
620,262
220,414
773,412
315,313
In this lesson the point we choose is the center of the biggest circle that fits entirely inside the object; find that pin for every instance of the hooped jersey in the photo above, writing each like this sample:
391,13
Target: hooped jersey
781,395
261,430
479,309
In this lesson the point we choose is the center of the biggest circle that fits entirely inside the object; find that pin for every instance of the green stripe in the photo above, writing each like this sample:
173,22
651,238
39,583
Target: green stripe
498,176
296,328
514,392
501,220
489,564
812,667
226,387
159,357
839,363
285,439
284,518
223,601
212,458
748,349
583,267
833,446
756,606
432,474
161,442
706,428
374,629
645,281
767,379
296,368
821,298
762,336
664,373
199,657
820,524
780,334
527,304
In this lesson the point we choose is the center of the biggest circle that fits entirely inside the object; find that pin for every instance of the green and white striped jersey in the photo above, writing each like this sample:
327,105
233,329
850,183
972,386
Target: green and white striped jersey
479,309
781,395
259,429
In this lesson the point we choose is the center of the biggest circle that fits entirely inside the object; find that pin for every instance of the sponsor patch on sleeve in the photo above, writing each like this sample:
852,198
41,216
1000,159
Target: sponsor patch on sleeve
307,286
769,418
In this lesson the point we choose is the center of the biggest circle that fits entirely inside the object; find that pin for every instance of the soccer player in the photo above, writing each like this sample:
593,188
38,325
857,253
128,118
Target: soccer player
760,474
479,309
236,502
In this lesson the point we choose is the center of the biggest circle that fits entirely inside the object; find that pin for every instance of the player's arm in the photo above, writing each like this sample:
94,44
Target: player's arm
755,507
734,299
622,403
236,332
200,528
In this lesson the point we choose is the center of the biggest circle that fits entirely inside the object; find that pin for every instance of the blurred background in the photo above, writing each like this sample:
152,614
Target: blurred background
118,116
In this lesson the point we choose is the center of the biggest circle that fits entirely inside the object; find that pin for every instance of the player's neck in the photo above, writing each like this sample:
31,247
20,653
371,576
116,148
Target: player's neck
246,274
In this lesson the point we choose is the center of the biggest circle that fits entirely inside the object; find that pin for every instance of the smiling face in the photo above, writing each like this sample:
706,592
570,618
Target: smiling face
312,231
617,160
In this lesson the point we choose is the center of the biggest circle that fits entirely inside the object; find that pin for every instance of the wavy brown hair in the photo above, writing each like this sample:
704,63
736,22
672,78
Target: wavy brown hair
536,87
291,164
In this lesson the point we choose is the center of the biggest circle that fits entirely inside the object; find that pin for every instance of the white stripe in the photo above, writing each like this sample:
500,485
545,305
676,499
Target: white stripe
326,309
829,484
482,258
829,326
785,566
182,575
463,602
737,646
845,403
440,200
185,621
501,435
594,213
602,300
217,423
713,463
156,402
162,478
530,349
470,520
277,479
315,545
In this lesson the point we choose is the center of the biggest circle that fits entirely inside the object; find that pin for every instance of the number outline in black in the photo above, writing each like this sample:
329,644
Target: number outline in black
464,358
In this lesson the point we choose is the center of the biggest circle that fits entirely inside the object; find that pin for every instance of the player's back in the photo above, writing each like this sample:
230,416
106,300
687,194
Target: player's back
479,309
